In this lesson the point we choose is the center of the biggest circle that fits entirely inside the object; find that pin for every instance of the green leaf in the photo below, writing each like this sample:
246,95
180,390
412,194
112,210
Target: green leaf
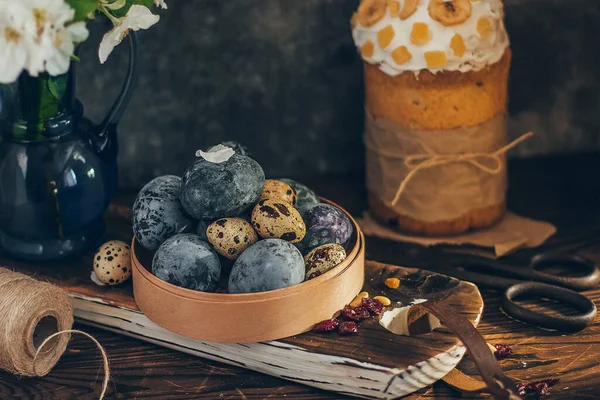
57,86
123,11
48,100
83,8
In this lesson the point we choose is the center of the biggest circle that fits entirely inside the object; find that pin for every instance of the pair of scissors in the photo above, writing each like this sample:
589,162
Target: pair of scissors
530,280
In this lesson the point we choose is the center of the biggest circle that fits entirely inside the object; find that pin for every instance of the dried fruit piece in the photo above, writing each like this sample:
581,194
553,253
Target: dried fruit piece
354,20
392,283
355,313
450,12
358,299
502,351
383,300
326,326
457,44
394,7
370,12
410,7
385,36
401,55
435,59
347,328
374,306
368,49
484,27
538,388
419,35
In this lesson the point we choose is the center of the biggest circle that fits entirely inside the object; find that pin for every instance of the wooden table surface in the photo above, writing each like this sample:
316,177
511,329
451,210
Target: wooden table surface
562,190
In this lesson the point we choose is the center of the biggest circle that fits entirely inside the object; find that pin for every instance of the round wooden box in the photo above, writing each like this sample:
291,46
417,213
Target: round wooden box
252,317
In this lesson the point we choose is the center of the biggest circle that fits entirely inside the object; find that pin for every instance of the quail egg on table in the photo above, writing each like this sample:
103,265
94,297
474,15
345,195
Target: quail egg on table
323,258
231,236
277,219
112,263
278,190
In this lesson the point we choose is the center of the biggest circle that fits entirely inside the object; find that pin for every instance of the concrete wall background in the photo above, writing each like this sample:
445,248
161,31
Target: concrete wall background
283,77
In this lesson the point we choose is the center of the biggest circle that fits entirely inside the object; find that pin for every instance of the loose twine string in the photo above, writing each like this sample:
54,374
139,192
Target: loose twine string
30,308
418,162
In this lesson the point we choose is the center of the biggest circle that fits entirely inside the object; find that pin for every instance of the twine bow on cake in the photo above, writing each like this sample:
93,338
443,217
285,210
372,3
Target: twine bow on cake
418,162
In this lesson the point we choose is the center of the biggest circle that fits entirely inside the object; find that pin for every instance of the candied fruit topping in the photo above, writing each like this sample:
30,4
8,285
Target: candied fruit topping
410,7
371,11
392,283
373,305
457,44
354,20
368,49
502,351
401,55
449,12
383,300
355,313
484,27
419,35
394,7
435,59
385,36
328,325
347,328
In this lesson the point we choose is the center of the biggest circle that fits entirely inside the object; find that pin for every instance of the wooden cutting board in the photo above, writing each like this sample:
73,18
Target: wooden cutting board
375,363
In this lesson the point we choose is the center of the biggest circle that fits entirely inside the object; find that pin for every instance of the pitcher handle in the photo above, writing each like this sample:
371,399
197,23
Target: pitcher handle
118,108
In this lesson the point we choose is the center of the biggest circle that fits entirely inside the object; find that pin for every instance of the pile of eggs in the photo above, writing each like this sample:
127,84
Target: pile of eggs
223,226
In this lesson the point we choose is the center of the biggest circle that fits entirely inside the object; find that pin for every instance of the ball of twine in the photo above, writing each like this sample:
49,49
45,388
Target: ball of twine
35,326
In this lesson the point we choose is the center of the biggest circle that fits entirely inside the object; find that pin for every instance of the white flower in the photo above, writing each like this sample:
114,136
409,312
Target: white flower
14,43
161,4
35,36
138,17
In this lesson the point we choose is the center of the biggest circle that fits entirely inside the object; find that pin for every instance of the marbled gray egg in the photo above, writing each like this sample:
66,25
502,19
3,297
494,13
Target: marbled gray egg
212,191
158,213
187,261
201,229
306,197
325,224
267,265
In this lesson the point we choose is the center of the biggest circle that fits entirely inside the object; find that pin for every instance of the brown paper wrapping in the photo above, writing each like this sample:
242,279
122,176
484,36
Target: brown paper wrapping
467,172
512,233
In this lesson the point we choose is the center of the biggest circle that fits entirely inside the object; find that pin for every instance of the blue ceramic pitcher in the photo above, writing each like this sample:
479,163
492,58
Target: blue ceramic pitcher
58,170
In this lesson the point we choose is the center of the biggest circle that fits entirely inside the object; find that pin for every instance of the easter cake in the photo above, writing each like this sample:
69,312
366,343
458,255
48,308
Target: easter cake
436,74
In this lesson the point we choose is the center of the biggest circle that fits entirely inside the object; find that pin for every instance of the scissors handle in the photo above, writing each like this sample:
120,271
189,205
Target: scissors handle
563,323
578,283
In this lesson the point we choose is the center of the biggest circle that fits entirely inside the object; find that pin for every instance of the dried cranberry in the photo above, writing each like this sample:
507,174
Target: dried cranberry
538,389
355,313
326,326
374,306
347,328
502,351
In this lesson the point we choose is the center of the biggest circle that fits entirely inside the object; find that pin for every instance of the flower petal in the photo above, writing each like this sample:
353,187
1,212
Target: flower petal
109,41
78,32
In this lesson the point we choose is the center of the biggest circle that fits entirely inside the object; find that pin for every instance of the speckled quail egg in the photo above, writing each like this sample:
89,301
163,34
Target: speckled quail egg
278,190
322,259
277,219
231,236
112,262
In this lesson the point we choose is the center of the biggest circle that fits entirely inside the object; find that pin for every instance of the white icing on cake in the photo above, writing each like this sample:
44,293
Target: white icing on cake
479,52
